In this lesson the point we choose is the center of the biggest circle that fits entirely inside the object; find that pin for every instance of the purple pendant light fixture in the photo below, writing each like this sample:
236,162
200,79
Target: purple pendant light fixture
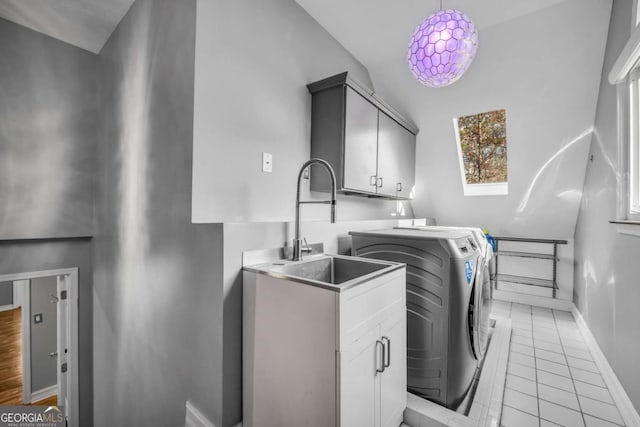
442,48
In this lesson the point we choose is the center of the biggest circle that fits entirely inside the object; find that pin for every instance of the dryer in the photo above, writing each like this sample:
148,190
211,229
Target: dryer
442,269
482,289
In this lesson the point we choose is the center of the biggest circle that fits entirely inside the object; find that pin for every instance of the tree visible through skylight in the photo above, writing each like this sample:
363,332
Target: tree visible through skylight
483,144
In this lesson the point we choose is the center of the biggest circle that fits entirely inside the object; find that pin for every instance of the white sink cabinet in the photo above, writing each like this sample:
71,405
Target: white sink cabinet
317,354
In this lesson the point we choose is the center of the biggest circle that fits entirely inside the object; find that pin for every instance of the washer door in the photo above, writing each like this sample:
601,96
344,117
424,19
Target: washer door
479,310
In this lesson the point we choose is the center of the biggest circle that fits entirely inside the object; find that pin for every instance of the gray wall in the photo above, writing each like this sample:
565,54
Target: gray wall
47,136
43,335
39,255
157,282
6,293
606,271
47,168
253,62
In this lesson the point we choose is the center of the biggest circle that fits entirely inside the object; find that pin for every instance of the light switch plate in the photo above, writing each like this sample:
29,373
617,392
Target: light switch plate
267,162
37,318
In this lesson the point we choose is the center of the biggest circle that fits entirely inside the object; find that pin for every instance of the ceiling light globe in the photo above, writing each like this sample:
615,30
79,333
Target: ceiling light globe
442,48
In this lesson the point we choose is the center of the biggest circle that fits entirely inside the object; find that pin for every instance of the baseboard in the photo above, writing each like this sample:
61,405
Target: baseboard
487,406
7,307
539,301
620,397
195,418
44,393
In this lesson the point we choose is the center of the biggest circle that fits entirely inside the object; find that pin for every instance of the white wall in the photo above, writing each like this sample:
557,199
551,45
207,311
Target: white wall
253,62
544,69
607,269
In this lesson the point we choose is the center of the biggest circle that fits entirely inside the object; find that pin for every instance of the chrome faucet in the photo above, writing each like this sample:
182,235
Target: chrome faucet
297,242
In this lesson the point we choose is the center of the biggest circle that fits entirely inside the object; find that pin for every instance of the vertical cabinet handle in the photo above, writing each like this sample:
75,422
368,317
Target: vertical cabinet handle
373,181
386,357
380,182
381,370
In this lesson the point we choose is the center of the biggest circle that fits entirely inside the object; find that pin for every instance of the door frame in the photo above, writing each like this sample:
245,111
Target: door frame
70,277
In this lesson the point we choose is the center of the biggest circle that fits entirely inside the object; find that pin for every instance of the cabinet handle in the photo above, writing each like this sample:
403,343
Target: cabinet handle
387,354
381,370
399,187
372,181
379,182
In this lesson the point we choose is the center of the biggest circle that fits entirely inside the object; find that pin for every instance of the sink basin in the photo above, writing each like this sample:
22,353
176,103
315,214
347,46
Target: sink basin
330,271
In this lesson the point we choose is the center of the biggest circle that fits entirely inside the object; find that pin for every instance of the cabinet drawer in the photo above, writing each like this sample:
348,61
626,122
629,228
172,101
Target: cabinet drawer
369,304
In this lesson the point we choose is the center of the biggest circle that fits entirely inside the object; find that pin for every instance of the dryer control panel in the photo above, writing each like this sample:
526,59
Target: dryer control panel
466,246
468,250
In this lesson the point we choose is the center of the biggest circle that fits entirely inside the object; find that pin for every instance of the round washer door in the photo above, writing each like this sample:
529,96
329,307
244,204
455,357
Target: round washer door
480,310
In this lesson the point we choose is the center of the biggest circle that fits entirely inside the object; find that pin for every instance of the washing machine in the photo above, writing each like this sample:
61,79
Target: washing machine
442,269
482,290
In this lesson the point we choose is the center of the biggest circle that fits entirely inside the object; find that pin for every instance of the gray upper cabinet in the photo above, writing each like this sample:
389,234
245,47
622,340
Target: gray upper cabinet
371,148
396,158
360,143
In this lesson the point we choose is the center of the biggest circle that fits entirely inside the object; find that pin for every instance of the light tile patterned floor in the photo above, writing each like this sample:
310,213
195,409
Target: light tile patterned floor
551,378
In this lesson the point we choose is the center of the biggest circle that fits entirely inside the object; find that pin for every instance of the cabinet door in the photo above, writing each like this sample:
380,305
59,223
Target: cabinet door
360,143
393,381
358,380
396,158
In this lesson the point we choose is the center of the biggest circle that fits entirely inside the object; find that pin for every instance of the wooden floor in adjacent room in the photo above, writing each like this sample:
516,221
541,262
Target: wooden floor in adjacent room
11,360
10,357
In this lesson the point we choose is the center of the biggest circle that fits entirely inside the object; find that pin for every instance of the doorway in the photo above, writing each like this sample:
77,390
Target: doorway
44,316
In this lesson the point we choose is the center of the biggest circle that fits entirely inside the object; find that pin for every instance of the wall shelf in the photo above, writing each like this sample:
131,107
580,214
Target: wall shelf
526,280
527,255
523,280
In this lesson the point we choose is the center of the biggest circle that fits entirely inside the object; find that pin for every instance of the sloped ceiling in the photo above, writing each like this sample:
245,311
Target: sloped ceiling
541,61
377,31
86,24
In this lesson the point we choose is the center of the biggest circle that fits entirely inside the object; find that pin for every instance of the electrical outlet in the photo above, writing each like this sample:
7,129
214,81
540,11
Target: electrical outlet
267,162
37,318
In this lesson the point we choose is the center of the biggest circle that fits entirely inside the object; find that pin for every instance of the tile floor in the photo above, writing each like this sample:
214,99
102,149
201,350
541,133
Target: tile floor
551,377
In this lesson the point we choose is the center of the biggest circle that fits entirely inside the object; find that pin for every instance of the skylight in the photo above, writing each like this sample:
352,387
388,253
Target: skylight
482,152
